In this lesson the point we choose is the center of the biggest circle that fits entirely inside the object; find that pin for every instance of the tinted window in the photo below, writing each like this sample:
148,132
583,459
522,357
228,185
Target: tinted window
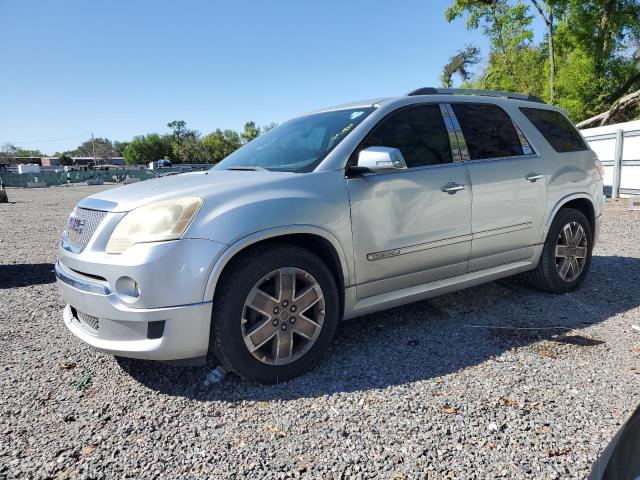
556,129
418,132
488,131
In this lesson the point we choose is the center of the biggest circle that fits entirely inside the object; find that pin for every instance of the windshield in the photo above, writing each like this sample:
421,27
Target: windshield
298,145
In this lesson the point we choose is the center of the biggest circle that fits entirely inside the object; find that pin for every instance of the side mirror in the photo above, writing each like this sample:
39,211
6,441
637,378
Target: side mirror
381,159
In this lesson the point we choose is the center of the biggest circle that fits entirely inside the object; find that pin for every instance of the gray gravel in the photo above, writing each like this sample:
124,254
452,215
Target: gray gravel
413,392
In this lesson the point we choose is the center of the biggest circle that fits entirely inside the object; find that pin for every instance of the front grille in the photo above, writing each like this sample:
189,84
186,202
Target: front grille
86,320
81,226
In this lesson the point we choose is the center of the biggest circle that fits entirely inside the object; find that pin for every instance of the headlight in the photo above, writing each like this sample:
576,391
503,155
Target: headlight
155,222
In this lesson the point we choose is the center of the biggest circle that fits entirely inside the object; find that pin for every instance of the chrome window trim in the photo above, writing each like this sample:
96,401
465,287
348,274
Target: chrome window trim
510,157
462,143
453,138
524,142
527,149
411,169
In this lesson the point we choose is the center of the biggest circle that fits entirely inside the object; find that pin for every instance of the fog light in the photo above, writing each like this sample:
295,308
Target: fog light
127,289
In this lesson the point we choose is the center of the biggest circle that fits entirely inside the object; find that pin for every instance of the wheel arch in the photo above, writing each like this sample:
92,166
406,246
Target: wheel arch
580,201
316,239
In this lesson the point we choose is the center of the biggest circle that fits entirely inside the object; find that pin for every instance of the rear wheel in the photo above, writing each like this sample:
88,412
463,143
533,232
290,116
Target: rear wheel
566,255
275,312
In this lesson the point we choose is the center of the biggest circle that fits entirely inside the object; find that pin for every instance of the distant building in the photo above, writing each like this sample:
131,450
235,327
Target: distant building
25,160
49,162
28,168
83,163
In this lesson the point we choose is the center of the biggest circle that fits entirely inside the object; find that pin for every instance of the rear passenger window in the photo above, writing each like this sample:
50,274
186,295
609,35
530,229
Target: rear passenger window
488,131
418,132
556,129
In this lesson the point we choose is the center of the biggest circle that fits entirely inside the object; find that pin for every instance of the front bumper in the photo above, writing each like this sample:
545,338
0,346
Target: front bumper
167,333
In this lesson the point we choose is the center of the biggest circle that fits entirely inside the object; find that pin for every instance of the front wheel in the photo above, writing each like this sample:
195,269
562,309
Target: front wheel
566,255
275,312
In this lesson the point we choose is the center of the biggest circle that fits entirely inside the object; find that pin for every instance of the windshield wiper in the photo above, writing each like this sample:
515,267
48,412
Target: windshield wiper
248,168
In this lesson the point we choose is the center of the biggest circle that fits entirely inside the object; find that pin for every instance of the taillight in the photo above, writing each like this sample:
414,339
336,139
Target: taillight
600,168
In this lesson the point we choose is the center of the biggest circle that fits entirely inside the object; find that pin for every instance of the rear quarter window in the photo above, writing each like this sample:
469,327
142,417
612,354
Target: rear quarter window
488,131
556,129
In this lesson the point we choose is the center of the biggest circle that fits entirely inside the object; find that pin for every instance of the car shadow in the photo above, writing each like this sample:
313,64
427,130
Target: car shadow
26,274
429,339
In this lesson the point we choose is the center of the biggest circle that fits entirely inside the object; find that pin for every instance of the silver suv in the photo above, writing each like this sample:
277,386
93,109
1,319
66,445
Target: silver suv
332,215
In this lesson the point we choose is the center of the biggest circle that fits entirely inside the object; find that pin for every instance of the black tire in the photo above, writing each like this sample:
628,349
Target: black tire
234,286
546,277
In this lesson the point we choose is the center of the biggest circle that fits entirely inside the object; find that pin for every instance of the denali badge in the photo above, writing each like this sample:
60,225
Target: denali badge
386,254
76,224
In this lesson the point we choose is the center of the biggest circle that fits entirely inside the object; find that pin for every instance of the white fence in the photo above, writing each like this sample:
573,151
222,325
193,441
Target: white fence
618,148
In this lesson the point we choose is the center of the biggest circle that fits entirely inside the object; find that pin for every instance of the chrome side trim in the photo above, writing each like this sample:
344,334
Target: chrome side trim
500,231
417,248
79,284
354,306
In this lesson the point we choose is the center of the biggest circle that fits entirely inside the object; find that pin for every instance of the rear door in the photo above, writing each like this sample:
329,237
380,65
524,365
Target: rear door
509,185
407,230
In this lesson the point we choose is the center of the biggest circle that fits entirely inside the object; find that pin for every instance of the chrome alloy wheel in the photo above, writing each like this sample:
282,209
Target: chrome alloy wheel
571,251
282,316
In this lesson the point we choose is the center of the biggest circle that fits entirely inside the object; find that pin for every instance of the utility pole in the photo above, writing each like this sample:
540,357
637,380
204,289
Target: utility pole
93,147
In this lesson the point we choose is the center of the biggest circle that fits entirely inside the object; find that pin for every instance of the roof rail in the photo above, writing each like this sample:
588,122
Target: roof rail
468,91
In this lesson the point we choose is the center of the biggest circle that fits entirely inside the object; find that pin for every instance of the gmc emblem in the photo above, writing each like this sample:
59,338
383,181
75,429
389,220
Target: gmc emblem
76,224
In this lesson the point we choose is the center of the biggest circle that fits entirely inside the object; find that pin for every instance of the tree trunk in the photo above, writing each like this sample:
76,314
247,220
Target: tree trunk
620,105
548,21
603,39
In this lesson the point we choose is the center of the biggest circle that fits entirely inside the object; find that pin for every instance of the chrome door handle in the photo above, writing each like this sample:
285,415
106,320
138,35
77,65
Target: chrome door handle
532,177
451,188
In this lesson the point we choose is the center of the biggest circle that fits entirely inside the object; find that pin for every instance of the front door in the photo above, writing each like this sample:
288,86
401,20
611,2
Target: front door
411,227
509,186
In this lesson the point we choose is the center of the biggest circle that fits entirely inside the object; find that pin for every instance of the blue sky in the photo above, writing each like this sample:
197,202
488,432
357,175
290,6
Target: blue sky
121,68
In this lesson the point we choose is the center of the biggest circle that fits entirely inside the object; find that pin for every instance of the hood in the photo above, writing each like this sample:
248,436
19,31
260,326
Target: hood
212,183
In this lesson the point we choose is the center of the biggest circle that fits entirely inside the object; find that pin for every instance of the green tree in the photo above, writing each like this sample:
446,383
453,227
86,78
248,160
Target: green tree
459,64
269,126
191,150
7,151
221,144
507,25
179,128
103,149
147,148
602,34
10,151
182,141
29,153
119,148
585,55
250,132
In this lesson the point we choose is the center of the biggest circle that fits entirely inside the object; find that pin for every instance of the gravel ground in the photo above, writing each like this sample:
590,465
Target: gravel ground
413,392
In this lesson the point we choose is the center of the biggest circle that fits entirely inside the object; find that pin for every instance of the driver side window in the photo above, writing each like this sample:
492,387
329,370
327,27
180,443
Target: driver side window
418,132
